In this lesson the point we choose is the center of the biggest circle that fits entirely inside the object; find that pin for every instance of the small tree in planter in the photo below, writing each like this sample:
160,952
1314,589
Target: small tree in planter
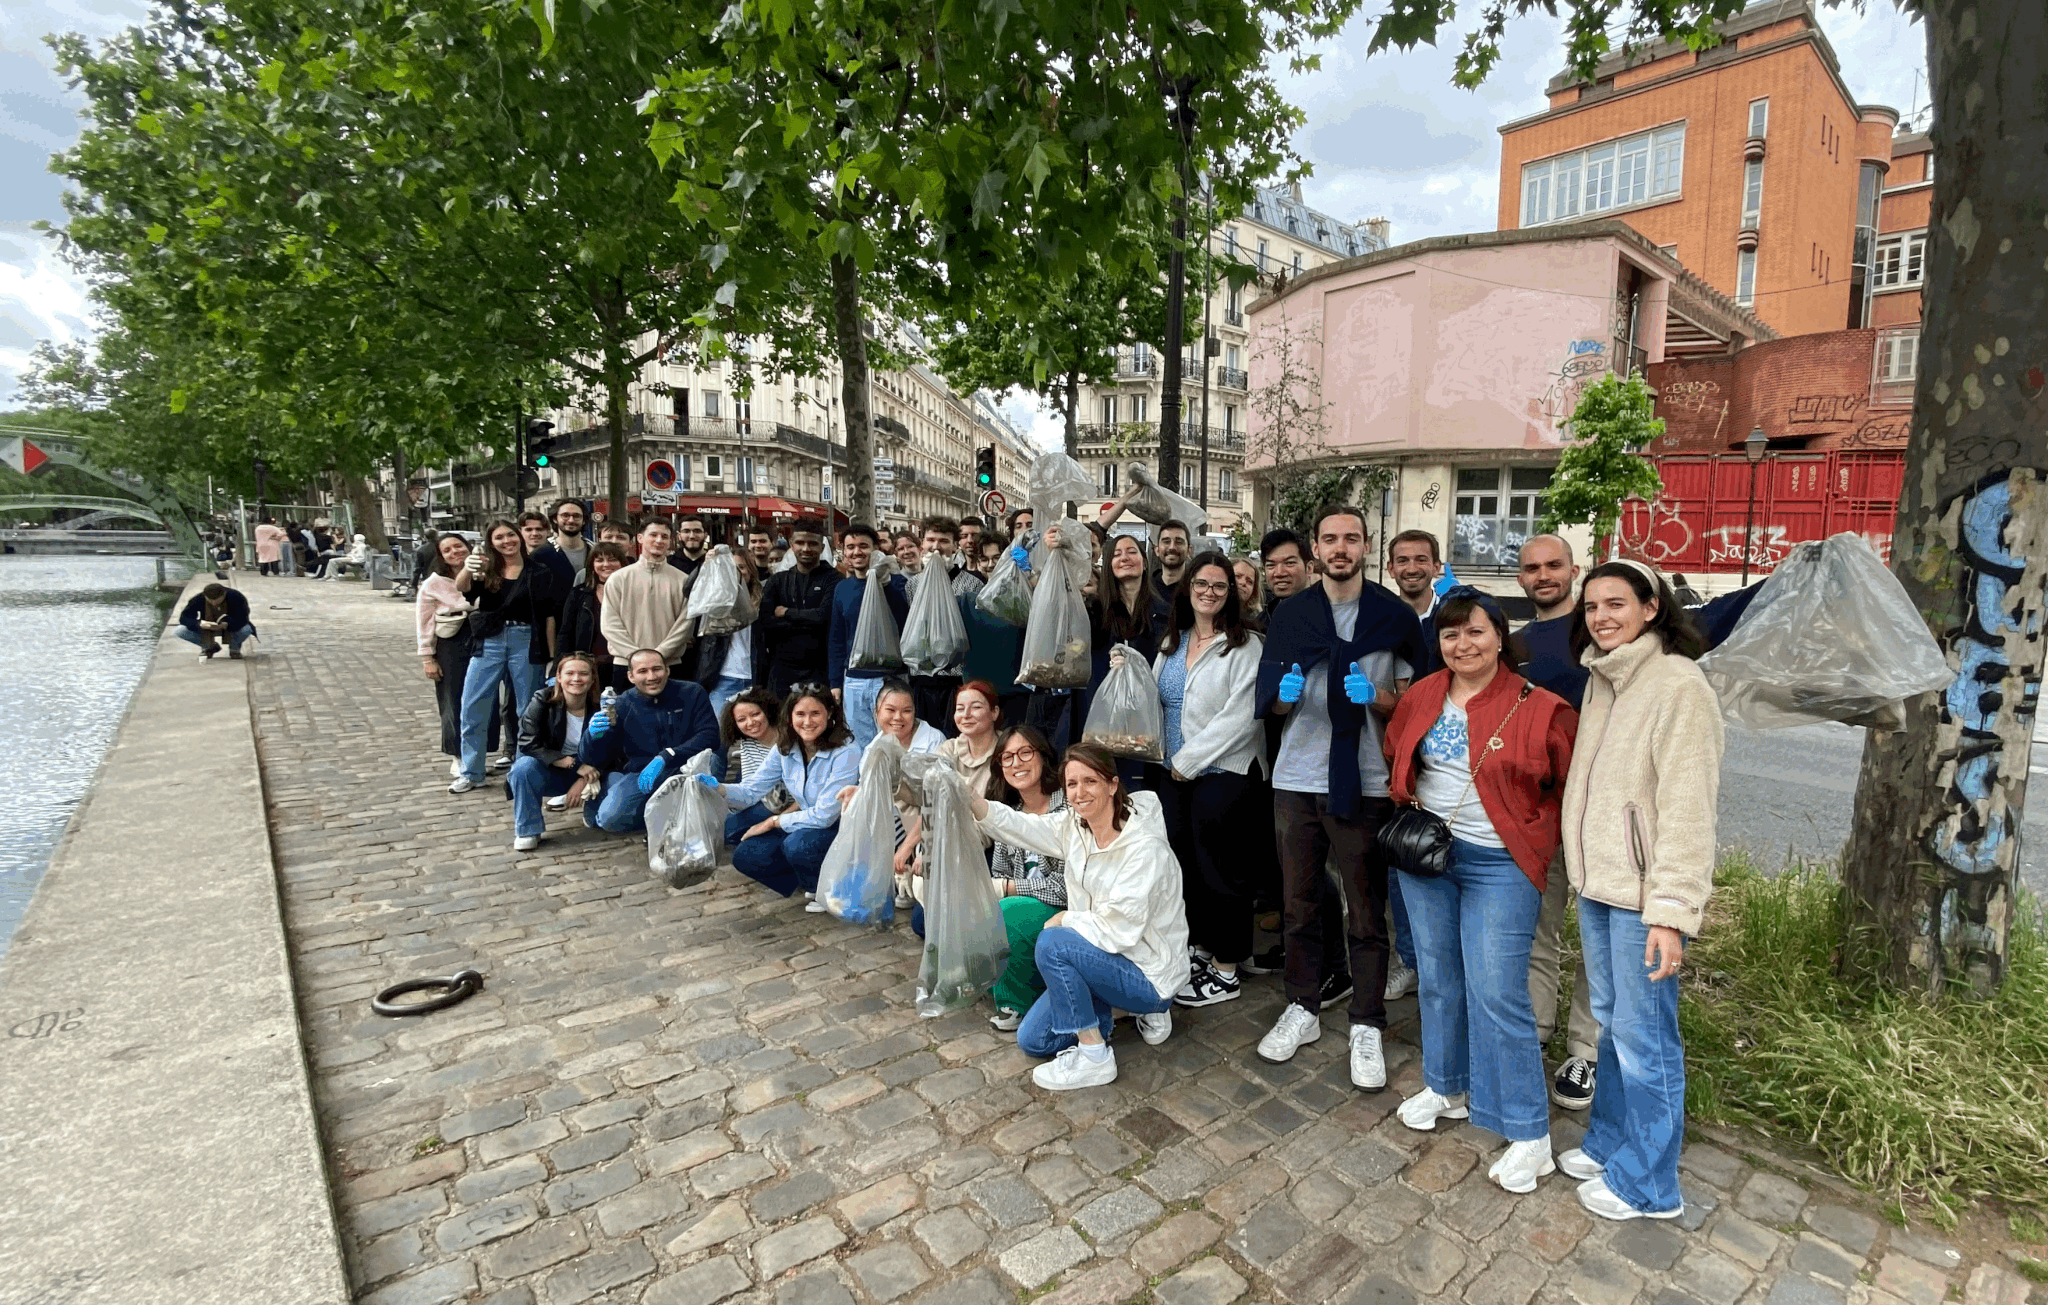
1602,463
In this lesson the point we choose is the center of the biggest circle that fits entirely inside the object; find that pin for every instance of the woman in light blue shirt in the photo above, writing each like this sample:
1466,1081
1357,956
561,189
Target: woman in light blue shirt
814,758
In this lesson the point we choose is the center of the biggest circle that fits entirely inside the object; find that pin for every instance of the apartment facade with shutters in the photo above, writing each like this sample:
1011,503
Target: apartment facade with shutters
1283,238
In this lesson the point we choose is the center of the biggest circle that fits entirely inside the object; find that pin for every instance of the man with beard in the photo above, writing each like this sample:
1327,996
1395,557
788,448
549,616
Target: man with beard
1172,555
796,613
691,538
566,552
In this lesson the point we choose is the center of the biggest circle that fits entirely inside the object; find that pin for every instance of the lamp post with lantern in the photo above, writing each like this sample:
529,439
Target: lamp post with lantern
1753,448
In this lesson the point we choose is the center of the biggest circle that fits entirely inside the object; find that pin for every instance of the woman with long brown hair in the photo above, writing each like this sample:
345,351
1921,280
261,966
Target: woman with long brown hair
509,636
1031,887
550,732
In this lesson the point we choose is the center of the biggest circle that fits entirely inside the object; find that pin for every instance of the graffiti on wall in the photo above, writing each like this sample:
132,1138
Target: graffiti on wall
1811,408
1582,364
1879,432
1692,397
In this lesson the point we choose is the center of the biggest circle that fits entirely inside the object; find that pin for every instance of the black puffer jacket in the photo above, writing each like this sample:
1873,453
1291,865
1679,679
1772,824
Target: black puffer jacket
543,727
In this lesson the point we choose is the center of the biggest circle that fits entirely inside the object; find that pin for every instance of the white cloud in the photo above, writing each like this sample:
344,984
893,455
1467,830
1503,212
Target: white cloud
40,299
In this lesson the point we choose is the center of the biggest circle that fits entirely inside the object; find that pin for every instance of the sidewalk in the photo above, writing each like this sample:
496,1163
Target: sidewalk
686,1098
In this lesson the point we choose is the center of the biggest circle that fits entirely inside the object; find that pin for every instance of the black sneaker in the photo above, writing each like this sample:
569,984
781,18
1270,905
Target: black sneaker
1336,989
1207,986
1573,1086
1271,961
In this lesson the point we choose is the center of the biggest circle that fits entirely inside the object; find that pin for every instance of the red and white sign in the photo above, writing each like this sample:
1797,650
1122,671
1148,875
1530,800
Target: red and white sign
993,502
661,474
22,455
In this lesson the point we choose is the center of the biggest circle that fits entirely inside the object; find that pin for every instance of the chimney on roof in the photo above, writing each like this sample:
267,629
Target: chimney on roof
1382,230
1294,189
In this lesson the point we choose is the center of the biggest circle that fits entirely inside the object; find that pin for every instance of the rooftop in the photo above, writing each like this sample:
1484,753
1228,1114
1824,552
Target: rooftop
1280,207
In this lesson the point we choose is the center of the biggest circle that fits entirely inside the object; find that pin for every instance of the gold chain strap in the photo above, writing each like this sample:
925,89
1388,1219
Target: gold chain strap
1493,744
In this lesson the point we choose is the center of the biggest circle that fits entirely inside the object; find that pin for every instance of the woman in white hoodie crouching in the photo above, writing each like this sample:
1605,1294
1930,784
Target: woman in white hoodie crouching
1122,942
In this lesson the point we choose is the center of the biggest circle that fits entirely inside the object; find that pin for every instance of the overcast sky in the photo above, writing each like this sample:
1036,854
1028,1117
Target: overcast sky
1387,137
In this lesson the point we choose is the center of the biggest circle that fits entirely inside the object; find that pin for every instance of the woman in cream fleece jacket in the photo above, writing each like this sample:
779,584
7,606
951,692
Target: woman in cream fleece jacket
1638,829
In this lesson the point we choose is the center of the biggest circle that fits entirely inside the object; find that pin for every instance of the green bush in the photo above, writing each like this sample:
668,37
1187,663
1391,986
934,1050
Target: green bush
1941,1101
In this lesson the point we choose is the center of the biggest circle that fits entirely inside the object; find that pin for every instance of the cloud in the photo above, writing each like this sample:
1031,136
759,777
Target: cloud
1389,138
40,299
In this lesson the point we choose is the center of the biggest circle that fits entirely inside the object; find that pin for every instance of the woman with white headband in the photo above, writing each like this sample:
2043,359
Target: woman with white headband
1639,846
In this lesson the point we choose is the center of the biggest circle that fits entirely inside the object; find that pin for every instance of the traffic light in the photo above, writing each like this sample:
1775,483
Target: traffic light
539,443
985,467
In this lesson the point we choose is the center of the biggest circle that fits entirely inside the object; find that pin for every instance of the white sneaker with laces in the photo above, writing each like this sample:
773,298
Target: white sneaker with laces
1400,980
525,843
1368,1064
1155,1029
1522,1164
1421,1111
462,784
1595,1196
1577,1164
501,762
815,907
1297,1025
1005,1020
1073,1068
560,802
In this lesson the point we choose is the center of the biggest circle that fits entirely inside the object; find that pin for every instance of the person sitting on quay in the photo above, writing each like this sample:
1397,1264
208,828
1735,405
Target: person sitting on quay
550,731
662,723
815,757
217,612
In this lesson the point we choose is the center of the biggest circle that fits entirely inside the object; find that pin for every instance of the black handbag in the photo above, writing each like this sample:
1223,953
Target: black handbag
1419,841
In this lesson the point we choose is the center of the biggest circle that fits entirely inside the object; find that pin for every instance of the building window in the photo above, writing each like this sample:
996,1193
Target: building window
710,405
1233,304
1901,260
1898,356
1635,169
1230,419
1190,486
1752,192
1297,262
1230,358
1109,478
1230,241
1759,117
683,472
1495,510
1109,410
1138,403
711,465
1262,255
743,468
1226,484
1745,277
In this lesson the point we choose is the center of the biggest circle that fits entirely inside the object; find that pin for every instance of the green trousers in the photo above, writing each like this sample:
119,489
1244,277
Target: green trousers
1023,919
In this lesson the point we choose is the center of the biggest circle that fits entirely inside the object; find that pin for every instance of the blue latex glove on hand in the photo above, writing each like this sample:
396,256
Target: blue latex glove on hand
1020,557
600,725
1291,684
1357,688
651,774
1445,582
708,782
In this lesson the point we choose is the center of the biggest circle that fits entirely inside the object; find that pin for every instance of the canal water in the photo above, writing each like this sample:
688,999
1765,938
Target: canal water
78,633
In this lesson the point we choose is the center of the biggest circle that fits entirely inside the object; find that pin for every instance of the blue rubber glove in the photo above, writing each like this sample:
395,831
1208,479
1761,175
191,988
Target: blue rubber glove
1020,557
1291,685
708,782
600,725
1357,688
1446,582
651,774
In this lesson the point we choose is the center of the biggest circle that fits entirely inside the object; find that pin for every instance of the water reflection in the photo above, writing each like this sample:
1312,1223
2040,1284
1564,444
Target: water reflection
78,633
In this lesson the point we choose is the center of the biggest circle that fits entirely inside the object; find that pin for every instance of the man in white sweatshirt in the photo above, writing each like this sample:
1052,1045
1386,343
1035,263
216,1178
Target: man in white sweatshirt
644,602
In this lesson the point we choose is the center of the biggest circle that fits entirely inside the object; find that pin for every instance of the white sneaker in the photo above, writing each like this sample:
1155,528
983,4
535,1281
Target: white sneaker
815,907
455,768
1522,1164
500,762
525,842
1073,1069
462,784
1155,1029
1368,1065
1421,1111
1577,1164
560,802
1296,1025
905,902
1595,1196
1005,1020
1400,980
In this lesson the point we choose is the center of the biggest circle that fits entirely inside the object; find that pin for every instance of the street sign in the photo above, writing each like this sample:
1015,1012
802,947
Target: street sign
884,464
661,474
658,497
22,455
993,502
885,476
885,495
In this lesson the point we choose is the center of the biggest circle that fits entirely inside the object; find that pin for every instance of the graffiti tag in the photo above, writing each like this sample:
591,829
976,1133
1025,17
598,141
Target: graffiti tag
1878,431
1825,407
1583,360
1690,396
1579,347
1432,494
48,1023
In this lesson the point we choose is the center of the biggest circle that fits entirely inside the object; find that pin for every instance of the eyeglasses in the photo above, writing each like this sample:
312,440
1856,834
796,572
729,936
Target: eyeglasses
1018,758
1209,586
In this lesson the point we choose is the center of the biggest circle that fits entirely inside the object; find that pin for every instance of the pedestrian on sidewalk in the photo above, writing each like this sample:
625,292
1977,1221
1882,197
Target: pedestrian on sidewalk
216,613
510,633
1639,808
662,724
442,616
270,545
550,734
1122,941
796,611
815,757
1481,748
567,552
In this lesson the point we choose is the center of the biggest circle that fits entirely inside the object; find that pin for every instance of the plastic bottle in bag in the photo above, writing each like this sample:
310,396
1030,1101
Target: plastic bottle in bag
686,824
876,646
965,943
1156,504
1127,717
857,881
1056,651
1007,595
719,600
934,638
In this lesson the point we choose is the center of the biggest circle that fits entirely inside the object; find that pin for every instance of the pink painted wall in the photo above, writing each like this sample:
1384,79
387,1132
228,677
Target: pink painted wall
1458,348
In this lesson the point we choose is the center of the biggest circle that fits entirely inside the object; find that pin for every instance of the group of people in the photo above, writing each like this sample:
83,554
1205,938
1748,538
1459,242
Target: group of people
1296,695
317,551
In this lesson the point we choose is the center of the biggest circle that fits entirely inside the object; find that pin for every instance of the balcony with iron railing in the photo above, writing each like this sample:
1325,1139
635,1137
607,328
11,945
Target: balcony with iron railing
1233,317
1138,438
1232,378
1136,364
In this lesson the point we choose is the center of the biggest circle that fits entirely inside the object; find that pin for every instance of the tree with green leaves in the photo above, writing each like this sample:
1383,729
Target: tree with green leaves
1602,464
1931,870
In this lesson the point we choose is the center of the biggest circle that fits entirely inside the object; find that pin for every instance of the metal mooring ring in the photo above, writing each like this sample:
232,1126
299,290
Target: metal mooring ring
458,986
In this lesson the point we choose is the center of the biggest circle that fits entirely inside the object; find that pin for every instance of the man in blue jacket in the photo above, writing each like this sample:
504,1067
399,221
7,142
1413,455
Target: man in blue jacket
660,725
857,687
215,613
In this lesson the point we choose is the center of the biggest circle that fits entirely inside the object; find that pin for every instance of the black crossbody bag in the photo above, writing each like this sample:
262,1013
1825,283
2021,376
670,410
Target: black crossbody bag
1419,841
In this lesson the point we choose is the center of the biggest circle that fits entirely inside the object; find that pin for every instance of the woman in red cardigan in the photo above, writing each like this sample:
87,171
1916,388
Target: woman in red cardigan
1472,927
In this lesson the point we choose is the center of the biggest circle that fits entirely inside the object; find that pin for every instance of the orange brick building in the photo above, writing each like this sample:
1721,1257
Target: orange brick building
1750,161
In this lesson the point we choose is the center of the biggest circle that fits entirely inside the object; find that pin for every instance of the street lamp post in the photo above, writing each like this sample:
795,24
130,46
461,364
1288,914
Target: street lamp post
1753,448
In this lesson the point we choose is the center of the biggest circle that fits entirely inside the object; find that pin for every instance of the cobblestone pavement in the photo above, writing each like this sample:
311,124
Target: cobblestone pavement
679,1098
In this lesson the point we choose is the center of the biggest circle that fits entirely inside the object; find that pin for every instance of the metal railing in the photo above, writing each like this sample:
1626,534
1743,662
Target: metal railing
1233,317
1231,378
1130,438
1136,364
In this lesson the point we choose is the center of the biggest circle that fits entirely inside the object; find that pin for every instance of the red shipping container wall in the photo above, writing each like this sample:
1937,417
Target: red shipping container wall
1697,523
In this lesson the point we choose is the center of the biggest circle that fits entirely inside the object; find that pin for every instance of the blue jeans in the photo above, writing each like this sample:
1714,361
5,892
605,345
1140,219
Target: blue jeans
527,783
783,861
727,688
1083,985
1404,929
209,638
1638,1118
859,697
500,657
621,808
1472,933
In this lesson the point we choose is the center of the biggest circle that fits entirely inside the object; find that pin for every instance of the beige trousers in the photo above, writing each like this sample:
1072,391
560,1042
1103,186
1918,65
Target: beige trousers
1582,1034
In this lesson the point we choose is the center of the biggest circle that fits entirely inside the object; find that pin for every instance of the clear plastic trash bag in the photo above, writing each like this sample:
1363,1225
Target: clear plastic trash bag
1831,636
1056,649
719,600
1056,480
1126,717
686,824
1007,595
857,881
1156,504
934,638
876,646
965,944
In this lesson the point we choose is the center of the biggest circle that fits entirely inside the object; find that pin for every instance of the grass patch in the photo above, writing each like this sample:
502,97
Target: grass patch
1944,1101
2031,1270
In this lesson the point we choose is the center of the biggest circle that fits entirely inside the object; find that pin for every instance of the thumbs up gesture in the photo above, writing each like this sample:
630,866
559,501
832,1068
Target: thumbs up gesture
1357,688
1291,684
